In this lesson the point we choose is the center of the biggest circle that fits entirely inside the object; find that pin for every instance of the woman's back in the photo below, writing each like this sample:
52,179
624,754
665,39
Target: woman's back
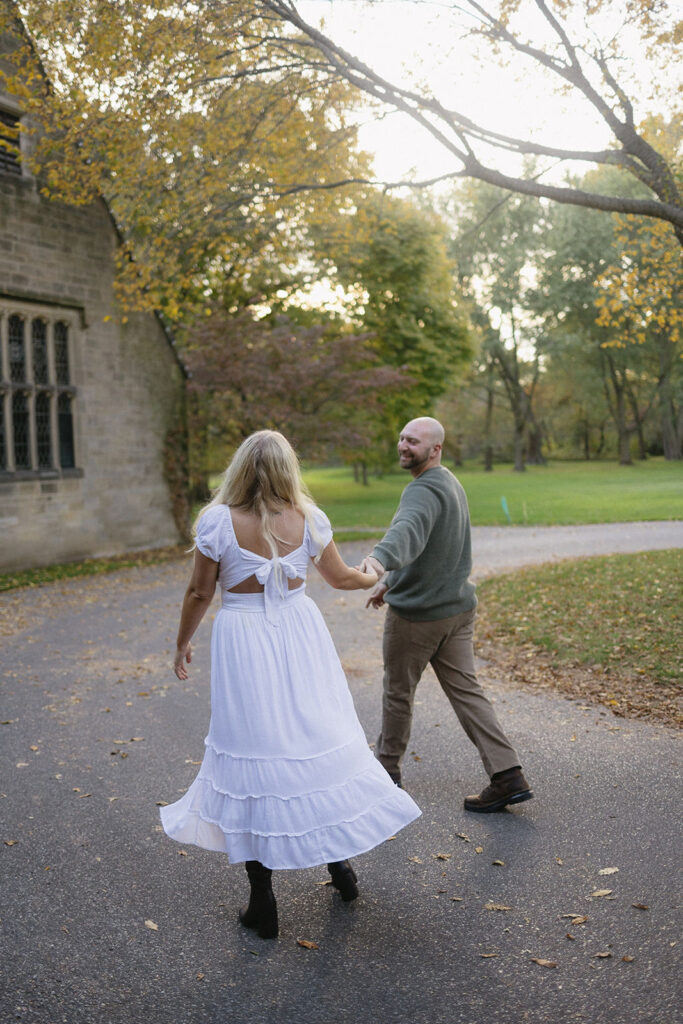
288,527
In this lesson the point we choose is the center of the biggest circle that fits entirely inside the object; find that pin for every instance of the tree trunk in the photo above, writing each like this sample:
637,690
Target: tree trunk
519,466
488,422
617,405
534,455
586,440
364,472
638,421
672,435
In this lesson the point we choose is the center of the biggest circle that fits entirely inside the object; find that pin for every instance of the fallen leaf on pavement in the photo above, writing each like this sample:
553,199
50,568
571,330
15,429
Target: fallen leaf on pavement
463,836
11,842
162,803
442,856
307,944
581,919
541,962
152,926
603,956
498,863
607,871
570,936
496,906
487,956
628,959
640,906
601,892
456,899
415,860
478,849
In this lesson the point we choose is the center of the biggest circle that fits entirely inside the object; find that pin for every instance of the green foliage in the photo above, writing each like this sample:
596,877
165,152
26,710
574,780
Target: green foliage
559,493
391,257
154,106
622,612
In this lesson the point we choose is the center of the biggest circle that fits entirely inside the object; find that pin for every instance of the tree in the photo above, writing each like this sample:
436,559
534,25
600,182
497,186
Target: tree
391,258
496,242
325,392
569,48
580,246
153,105
640,301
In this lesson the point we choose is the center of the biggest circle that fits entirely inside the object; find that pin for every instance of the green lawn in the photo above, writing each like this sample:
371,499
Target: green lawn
622,612
559,493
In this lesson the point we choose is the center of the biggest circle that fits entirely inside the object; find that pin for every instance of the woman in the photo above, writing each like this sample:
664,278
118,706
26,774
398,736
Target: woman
287,778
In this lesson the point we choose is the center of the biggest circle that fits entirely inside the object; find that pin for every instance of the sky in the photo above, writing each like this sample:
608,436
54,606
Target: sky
421,42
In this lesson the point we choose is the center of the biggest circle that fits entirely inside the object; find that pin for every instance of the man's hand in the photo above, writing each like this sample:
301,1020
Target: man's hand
376,598
370,564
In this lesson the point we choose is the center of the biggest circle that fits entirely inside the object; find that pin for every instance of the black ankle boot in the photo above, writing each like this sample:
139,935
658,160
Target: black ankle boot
344,879
261,914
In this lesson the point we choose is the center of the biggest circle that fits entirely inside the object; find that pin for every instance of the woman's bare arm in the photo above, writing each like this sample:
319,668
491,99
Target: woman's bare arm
341,576
198,597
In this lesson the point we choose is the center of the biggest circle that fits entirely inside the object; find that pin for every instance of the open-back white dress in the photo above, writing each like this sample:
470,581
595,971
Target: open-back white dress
287,777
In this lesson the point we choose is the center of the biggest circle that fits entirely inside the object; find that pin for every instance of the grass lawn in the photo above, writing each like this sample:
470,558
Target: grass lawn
559,493
619,615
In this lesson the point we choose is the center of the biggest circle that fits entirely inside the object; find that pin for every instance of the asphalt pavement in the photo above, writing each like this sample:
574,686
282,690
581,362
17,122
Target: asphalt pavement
105,919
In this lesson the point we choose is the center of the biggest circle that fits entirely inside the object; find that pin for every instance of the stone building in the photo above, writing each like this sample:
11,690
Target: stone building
87,404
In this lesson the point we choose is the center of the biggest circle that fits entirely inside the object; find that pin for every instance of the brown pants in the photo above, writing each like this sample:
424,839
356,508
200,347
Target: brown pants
446,644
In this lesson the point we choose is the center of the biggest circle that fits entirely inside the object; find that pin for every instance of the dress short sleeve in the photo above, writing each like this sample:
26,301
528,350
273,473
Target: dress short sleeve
323,531
213,533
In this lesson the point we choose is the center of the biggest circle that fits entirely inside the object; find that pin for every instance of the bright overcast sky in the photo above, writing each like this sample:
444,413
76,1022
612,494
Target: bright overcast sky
417,42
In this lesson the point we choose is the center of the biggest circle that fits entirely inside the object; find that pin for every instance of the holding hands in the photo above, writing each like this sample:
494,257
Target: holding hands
370,565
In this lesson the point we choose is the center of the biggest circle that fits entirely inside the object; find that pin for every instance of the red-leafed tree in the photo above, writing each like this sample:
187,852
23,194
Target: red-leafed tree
325,392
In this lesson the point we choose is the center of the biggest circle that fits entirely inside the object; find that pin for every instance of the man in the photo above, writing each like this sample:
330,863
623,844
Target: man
426,554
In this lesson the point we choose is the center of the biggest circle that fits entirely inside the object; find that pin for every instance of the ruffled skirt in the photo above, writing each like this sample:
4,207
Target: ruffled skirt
287,777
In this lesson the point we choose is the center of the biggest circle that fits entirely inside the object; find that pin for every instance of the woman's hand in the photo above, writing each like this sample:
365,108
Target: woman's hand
182,654
369,579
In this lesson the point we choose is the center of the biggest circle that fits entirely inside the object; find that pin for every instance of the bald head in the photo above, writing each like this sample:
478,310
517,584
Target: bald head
420,444
427,428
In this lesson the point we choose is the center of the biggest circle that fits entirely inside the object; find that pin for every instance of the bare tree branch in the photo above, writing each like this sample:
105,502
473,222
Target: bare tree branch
459,134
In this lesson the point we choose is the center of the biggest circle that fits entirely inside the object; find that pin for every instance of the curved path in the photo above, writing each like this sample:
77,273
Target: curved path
98,730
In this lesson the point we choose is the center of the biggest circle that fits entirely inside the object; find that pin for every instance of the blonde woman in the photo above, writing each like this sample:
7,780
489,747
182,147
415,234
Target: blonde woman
287,779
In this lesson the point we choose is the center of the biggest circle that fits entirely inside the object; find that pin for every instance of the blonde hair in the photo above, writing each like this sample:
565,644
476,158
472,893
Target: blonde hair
263,477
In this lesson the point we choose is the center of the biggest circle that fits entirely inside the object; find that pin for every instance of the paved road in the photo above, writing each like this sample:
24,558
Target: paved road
99,730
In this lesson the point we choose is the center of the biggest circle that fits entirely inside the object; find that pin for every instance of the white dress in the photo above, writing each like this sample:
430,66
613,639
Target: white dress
287,777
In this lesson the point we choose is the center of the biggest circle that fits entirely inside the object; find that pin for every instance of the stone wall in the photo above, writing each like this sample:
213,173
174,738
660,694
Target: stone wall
58,262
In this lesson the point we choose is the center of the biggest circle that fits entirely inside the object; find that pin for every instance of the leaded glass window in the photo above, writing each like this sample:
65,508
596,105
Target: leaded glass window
62,353
22,447
39,351
3,439
43,430
66,432
17,349
10,162
37,433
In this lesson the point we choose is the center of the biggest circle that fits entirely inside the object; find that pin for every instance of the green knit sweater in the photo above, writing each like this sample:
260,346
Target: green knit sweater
428,551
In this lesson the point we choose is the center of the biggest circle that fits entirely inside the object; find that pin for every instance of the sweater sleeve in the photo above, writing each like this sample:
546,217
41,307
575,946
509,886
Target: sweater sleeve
410,528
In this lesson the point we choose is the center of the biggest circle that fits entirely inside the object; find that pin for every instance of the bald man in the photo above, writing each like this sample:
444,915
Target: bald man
427,556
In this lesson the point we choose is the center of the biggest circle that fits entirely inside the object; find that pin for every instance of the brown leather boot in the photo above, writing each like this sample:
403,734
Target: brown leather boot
508,787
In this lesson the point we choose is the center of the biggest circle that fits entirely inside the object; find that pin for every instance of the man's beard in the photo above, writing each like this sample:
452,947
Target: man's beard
415,460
